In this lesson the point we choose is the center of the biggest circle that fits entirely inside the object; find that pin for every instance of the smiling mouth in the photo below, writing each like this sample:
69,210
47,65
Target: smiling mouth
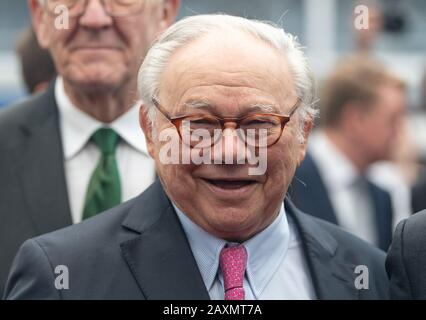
230,184
95,48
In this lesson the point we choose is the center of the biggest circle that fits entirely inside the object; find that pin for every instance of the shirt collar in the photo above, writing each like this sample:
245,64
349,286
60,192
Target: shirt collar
337,170
205,247
77,127
265,251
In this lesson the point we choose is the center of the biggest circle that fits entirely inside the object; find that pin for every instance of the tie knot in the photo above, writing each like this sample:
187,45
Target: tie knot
361,182
233,261
106,140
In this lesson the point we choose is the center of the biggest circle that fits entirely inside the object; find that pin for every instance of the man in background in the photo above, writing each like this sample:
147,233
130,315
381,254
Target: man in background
76,150
37,66
362,107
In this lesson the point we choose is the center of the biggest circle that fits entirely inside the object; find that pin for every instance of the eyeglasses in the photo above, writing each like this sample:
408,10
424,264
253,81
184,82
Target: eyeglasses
193,128
114,8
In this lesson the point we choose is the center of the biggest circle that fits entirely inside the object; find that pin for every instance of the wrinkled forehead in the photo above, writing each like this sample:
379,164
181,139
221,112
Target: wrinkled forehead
224,68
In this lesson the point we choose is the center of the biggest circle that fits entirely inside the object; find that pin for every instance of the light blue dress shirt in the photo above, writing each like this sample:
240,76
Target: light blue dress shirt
276,267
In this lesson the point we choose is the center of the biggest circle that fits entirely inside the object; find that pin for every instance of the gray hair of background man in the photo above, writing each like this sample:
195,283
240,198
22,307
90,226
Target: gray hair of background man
191,28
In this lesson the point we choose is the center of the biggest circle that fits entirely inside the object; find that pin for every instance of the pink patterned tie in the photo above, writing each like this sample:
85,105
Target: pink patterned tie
233,261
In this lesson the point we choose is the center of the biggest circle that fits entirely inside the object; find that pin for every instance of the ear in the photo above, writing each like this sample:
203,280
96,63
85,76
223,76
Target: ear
170,11
146,126
307,129
38,17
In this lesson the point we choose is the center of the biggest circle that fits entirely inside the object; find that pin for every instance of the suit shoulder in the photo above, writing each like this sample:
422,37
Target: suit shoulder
351,243
413,231
23,113
417,222
17,113
89,235
348,252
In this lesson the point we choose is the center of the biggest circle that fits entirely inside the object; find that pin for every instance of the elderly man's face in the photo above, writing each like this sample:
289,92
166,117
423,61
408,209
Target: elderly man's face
231,74
97,50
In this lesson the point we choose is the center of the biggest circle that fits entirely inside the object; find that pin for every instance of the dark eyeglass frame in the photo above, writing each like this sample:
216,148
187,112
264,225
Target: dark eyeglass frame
177,121
51,9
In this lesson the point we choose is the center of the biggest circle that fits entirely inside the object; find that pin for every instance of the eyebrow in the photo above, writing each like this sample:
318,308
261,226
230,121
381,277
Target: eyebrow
257,107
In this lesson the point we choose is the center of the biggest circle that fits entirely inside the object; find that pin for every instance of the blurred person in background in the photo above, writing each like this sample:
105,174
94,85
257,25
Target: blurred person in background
365,38
76,149
37,66
362,107
397,174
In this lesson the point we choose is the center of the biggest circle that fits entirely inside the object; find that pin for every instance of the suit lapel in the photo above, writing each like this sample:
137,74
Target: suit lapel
333,276
159,256
38,160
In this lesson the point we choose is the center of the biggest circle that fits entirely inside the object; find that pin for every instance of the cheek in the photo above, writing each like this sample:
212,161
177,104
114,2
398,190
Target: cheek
179,183
138,41
168,156
57,43
282,162
378,129
59,35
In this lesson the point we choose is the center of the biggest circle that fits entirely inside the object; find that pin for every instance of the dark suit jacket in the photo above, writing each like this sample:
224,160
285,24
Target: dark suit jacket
418,193
309,193
139,250
406,261
33,195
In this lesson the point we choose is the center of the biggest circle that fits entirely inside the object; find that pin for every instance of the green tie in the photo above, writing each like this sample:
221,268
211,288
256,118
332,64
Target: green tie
104,189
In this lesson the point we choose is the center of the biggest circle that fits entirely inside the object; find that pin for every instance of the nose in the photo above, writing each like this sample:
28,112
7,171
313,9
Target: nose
231,148
95,16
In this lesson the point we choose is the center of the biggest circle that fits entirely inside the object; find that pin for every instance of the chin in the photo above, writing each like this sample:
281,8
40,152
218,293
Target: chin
227,209
235,231
96,83
95,77
384,156
230,218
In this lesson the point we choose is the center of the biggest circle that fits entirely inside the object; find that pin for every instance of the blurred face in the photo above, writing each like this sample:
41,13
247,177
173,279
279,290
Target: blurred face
380,126
227,75
98,50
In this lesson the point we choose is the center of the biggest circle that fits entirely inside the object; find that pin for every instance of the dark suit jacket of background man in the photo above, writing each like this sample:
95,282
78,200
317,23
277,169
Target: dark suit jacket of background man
310,195
418,193
33,192
139,250
406,261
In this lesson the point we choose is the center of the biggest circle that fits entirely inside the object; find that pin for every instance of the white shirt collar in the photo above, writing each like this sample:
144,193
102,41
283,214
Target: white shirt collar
337,170
265,251
77,127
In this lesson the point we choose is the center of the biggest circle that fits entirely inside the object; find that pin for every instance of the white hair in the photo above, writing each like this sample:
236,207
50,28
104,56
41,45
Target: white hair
191,28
